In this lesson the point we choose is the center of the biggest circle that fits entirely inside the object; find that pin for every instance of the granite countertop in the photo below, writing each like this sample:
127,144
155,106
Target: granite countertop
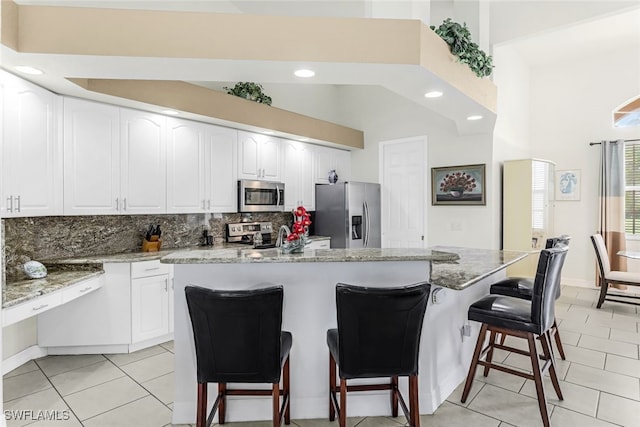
451,267
471,266
27,289
240,256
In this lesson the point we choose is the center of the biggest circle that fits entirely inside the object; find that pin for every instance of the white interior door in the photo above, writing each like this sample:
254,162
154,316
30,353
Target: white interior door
403,179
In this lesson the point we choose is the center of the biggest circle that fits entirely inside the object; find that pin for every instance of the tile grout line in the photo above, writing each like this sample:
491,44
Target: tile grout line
143,387
58,393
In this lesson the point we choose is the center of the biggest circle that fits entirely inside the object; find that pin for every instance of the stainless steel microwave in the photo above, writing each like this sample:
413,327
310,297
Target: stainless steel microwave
260,196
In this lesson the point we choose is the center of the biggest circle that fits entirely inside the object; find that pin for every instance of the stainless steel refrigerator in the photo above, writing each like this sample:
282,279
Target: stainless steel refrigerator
349,213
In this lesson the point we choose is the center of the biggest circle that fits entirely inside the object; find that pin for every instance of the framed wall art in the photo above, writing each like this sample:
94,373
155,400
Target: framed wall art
568,184
458,185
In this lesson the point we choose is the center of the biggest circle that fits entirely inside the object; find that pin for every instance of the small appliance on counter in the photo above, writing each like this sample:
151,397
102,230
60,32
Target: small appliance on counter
349,213
257,234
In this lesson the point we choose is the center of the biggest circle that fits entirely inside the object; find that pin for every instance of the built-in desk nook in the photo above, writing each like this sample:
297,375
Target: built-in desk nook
459,276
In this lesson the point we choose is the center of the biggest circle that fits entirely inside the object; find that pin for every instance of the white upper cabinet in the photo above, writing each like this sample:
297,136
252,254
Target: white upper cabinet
91,158
114,160
259,157
298,174
143,150
186,176
327,159
222,173
31,151
201,167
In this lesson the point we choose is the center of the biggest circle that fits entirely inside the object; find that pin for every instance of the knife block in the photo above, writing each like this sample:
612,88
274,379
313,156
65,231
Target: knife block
151,246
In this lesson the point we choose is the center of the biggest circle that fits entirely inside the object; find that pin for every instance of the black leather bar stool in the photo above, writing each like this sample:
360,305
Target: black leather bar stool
522,319
238,339
378,335
522,287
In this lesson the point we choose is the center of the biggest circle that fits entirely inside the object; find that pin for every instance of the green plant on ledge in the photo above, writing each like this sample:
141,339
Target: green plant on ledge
249,90
458,38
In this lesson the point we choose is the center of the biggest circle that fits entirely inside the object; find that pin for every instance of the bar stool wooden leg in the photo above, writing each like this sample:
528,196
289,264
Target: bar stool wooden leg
414,407
474,363
537,378
201,409
394,396
548,354
286,385
492,340
343,402
332,386
556,333
222,405
275,404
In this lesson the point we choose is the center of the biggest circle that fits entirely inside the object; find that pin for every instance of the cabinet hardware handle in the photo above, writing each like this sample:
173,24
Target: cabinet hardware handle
18,207
124,202
152,268
209,204
203,208
117,204
40,307
85,289
166,286
10,204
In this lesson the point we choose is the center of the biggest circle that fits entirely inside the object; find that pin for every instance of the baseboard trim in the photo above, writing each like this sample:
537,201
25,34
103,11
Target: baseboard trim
19,359
580,283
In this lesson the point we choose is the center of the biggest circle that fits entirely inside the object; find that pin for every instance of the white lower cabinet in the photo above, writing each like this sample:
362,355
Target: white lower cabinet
133,310
319,244
149,307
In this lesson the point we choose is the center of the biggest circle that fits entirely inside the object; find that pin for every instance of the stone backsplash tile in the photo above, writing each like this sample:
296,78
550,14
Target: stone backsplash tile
40,238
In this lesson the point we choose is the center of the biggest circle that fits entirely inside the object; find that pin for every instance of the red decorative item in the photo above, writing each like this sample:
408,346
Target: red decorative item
299,230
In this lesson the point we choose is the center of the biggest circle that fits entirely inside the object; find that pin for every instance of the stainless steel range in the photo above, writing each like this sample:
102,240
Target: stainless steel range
248,232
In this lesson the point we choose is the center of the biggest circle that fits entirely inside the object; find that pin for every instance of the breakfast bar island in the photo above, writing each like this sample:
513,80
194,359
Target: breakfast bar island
458,276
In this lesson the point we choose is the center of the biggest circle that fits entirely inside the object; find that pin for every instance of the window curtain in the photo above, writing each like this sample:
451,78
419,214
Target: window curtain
611,214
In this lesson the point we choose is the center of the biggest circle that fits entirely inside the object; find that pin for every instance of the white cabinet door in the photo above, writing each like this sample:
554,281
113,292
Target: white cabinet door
91,157
258,156
307,178
291,154
248,151
328,159
32,162
149,307
270,159
342,165
298,174
222,172
186,169
143,188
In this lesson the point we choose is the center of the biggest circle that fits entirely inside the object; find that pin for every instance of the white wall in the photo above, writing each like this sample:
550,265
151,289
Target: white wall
571,105
383,115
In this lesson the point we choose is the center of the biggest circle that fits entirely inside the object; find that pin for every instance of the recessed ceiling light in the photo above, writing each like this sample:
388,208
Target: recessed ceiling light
476,117
304,73
28,70
171,112
433,94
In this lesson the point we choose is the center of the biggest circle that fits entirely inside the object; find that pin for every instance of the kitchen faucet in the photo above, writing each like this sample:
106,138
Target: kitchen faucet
286,230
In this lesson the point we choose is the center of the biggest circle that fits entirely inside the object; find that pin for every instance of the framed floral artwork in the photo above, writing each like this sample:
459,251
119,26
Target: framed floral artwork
568,184
458,185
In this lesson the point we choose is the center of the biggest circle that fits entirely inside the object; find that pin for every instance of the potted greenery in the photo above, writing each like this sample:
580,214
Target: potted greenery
249,90
458,37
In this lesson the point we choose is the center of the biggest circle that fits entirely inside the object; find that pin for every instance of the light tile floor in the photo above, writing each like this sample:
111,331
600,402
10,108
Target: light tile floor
600,380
